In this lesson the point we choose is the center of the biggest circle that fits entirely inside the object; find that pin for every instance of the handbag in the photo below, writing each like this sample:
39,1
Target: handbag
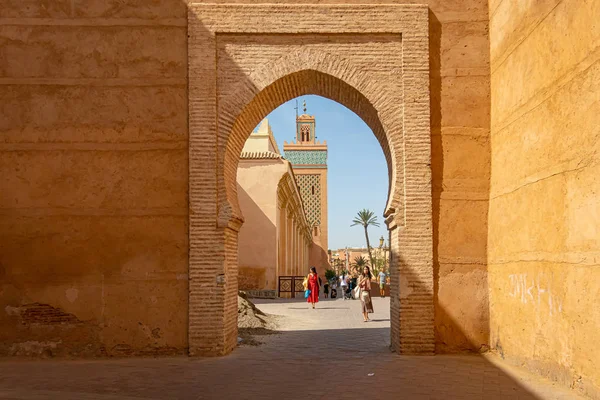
306,293
356,293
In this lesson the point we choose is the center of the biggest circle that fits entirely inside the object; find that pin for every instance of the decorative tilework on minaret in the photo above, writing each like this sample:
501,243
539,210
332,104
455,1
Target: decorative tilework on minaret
309,161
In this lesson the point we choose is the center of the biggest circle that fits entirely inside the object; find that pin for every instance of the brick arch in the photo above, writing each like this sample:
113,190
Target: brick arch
297,74
243,62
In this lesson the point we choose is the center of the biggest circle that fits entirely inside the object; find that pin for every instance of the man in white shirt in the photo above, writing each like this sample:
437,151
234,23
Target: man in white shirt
343,286
382,284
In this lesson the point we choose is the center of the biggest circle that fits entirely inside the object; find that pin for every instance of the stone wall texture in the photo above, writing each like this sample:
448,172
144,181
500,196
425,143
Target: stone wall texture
94,167
544,217
94,160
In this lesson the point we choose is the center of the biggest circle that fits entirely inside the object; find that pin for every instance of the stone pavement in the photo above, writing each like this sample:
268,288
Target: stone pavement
328,353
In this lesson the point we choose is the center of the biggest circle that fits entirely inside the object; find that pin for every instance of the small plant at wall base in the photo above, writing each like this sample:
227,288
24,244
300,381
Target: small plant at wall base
366,218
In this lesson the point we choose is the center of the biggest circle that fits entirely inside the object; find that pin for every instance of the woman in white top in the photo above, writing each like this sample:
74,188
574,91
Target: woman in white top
343,286
364,283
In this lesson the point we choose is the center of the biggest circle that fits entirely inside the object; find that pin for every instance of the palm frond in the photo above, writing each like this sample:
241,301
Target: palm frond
356,221
360,261
365,218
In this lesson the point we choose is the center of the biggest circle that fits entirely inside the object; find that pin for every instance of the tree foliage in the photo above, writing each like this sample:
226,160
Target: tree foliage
329,274
360,262
380,264
366,218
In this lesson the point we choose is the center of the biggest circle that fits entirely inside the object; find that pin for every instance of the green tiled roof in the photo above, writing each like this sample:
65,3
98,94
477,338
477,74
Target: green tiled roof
313,157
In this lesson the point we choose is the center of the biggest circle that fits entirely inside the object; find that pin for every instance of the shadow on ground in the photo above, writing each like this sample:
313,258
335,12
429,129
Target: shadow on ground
293,365
325,353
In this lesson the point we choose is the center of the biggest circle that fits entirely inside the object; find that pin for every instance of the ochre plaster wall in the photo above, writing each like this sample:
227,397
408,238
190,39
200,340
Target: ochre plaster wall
94,167
257,240
544,218
94,151
460,162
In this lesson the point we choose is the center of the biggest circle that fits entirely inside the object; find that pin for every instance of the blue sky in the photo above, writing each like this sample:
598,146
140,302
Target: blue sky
357,171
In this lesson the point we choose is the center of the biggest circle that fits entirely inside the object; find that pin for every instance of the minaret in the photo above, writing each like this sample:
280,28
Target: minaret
309,161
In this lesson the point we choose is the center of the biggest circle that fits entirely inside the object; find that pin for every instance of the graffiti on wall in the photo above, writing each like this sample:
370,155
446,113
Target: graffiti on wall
537,290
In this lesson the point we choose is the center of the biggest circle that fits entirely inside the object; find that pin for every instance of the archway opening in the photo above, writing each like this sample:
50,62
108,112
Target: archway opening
303,177
301,220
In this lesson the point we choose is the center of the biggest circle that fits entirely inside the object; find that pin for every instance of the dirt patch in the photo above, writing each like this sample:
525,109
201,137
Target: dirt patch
250,336
252,322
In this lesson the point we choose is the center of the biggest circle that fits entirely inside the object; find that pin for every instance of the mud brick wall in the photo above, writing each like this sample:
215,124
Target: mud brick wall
544,223
93,160
94,166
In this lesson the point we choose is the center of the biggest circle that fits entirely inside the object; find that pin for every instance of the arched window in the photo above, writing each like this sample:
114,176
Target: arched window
305,133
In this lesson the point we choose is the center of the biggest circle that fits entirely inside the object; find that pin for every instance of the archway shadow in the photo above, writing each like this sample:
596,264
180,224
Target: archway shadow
450,336
292,364
257,267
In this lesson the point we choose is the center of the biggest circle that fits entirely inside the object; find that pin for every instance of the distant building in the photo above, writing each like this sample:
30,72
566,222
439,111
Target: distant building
344,258
309,160
276,236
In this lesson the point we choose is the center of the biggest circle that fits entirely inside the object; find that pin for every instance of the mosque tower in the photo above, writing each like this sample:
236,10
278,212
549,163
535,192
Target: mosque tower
309,161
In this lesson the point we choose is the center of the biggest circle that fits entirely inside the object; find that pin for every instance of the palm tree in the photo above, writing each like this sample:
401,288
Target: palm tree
365,218
360,262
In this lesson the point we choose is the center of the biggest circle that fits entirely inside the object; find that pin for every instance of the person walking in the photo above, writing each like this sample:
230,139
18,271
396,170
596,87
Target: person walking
382,284
364,284
353,280
343,286
326,289
313,286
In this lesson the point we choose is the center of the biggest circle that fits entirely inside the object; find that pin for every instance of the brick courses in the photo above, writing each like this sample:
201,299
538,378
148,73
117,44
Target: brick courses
244,61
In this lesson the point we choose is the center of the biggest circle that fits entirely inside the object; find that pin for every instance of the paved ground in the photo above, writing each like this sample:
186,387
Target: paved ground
328,353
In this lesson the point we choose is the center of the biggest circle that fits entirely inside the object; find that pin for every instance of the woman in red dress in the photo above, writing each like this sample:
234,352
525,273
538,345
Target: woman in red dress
313,286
